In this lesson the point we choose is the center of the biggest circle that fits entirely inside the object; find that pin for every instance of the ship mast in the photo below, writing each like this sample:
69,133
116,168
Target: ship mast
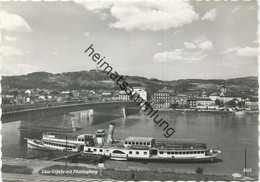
66,152
245,164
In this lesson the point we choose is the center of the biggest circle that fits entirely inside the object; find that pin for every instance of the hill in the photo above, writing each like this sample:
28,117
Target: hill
99,80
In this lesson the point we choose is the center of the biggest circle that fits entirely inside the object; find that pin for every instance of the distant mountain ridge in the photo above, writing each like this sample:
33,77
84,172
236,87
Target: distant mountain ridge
95,79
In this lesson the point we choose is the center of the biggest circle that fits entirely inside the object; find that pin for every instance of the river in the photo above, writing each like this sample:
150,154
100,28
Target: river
227,132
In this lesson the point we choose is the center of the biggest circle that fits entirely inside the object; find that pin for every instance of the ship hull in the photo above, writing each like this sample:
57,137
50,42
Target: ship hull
35,144
39,145
204,159
163,160
119,158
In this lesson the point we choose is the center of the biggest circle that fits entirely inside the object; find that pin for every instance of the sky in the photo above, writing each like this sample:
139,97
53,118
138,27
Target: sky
166,40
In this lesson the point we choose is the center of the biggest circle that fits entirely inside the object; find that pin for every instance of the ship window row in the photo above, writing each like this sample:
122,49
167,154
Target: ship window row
137,152
59,145
81,139
177,153
100,150
138,143
88,136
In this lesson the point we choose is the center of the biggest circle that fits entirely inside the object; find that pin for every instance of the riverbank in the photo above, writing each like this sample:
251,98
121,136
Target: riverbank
43,170
201,111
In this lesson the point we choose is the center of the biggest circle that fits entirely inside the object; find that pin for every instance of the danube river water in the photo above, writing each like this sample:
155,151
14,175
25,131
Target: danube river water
227,132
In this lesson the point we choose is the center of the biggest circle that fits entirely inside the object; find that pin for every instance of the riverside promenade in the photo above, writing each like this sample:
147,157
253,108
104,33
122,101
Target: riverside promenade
36,166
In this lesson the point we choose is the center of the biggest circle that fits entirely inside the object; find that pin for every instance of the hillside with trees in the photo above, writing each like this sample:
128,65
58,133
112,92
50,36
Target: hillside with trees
96,79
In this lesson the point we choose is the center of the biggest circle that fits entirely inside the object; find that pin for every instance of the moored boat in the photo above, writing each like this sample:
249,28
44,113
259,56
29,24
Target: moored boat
131,148
34,144
61,142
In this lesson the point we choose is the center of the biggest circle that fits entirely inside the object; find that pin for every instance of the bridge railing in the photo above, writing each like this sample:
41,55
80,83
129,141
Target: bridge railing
61,105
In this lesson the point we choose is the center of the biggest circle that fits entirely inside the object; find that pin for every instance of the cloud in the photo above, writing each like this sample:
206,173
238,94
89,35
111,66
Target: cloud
145,16
193,52
206,45
14,23
189,45
246,51
179,55
8,51
159,44
210,15
229,50
201,42
12,39
86,34
96,5
235,9
103,16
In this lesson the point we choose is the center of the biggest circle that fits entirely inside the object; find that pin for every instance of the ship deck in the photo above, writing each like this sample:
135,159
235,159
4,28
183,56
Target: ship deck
64,136
169,145
57,135
161,145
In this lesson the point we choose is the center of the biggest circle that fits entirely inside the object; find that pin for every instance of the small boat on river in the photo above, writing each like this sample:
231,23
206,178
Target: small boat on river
61,142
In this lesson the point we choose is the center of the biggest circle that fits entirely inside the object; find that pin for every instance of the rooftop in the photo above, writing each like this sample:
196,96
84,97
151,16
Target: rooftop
165,90
214,94
203,98
140,88
122,92
253,99
138,139
180,145
100,131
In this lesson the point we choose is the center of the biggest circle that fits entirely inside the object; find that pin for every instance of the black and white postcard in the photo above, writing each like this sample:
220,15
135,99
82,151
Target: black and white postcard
129,90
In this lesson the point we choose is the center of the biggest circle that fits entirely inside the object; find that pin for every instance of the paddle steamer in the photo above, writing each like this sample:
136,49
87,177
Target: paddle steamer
132,148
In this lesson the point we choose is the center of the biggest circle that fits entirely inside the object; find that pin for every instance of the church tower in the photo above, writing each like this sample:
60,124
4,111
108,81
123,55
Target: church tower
223,89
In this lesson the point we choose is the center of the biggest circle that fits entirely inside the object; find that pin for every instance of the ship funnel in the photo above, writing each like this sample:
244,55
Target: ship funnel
110,133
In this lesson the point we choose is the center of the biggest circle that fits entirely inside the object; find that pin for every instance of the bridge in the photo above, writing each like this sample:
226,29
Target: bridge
60,109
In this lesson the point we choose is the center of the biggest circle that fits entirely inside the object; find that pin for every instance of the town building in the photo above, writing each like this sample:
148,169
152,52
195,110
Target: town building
29,92
251,103
163,99
204,94
93,97
224,95
123,96
141,91
106,96
214,96
192,102
115,96
182,100
228,97
200,102
204,101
